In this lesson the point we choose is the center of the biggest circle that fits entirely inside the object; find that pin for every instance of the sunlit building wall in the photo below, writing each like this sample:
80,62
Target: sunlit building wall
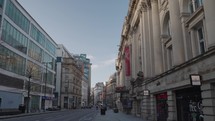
61,53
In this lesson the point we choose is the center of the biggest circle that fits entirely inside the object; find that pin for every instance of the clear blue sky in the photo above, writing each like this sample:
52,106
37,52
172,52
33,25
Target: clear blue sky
91,27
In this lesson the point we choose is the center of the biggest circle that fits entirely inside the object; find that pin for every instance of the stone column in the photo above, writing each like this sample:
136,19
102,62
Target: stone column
186,37
152,108
208,99
145,41
171,106
176,33
146,107
156,38
210,21
150,42
133,53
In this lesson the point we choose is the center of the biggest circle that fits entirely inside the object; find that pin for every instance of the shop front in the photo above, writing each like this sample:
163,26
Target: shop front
35,103
162,107
189,104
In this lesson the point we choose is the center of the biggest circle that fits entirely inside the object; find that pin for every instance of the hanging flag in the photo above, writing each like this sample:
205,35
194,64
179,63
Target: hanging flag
127,61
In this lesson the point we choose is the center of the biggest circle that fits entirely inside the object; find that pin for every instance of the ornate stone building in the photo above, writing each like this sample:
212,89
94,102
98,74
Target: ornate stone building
110,91
166,59
71,85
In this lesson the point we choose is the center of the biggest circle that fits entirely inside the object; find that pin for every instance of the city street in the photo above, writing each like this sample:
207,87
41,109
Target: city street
74,115
107,60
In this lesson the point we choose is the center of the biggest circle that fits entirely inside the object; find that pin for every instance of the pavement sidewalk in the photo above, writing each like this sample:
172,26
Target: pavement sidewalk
111,116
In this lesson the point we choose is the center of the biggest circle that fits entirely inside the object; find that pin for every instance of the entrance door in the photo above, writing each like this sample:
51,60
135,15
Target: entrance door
189,105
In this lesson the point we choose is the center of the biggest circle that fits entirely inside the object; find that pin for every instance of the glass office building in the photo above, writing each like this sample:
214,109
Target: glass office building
27,59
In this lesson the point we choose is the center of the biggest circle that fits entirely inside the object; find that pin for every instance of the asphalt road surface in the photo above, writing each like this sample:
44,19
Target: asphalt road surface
67,115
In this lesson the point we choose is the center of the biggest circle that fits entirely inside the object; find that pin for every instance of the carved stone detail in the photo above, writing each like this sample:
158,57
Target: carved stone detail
153,1
144,7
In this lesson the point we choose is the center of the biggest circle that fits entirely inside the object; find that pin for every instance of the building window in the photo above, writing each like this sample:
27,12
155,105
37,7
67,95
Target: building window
66,77
169,57
59,59
10,61
194,5
201,40
198,43
16,16
168,28
66,89
168,53
13,37
1,3
65,102
35,51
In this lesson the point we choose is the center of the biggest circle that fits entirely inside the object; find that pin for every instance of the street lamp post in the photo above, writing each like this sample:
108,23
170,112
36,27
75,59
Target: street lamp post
29,89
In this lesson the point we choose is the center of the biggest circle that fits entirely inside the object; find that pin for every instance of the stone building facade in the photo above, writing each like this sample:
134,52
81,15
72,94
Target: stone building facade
110,97
166,59
71,83
97,93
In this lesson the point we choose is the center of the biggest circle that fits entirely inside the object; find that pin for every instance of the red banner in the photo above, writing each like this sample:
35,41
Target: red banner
127,61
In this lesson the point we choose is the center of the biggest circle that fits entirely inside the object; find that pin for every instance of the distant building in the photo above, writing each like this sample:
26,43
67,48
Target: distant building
98,90
86,81
71,83
61,53
92,96
110,98
27,59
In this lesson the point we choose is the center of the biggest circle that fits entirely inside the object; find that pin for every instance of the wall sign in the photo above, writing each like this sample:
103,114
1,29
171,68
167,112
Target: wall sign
195,79
146,92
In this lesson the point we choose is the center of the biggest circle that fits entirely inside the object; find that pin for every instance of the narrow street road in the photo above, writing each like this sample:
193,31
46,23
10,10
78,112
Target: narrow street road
67,115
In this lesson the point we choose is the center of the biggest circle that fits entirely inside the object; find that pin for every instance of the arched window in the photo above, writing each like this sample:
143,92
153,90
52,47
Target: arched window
167,25
168,52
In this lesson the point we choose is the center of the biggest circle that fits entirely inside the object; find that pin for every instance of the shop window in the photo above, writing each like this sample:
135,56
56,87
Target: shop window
162,106
65,102
189,104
